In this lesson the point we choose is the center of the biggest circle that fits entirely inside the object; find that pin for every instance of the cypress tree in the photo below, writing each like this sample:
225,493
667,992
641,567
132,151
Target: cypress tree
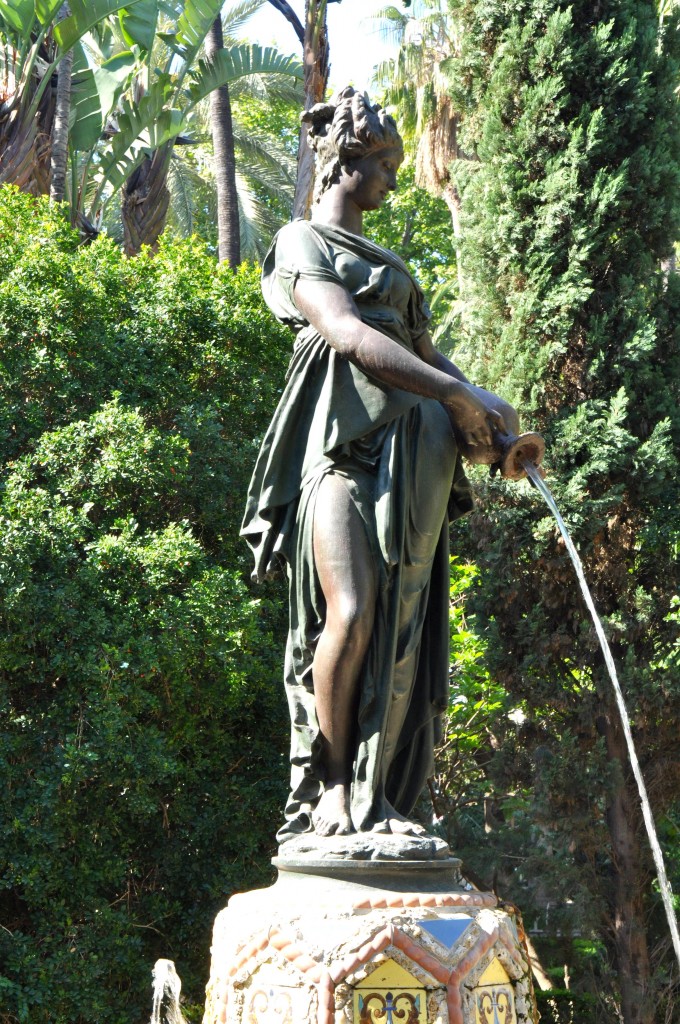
570,213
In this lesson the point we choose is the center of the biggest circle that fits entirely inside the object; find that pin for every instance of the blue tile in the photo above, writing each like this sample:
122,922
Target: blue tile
447,930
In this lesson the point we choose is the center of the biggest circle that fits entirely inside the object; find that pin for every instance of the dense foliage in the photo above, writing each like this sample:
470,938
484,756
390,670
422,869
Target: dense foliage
568,213
143,732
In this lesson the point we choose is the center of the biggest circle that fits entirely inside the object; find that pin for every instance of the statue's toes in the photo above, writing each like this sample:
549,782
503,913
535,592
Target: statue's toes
402,827
323,827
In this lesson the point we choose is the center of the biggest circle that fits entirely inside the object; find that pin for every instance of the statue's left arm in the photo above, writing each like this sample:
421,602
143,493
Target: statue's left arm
429,354
424,347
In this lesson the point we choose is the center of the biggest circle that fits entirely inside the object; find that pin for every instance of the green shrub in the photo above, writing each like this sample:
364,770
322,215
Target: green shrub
143,731
568,214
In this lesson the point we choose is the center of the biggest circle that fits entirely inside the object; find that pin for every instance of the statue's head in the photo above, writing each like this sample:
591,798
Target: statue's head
345,129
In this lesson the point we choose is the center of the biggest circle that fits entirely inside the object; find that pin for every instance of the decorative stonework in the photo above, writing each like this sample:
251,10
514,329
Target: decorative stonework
315,949
389,995
270,996
494,997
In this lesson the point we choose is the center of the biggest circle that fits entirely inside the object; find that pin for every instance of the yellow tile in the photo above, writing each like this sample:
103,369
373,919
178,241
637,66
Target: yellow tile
495,974
389,975
388,995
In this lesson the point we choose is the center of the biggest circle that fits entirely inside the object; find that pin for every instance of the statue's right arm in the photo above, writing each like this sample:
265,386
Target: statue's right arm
331,311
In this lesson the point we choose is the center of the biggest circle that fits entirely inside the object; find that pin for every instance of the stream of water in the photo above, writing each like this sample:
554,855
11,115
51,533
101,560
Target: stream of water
166,991
664,884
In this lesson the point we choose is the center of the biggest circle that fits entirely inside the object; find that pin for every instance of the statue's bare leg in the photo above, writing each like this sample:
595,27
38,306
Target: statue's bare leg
348,578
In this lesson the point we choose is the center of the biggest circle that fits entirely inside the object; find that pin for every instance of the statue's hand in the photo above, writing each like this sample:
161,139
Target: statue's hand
475,420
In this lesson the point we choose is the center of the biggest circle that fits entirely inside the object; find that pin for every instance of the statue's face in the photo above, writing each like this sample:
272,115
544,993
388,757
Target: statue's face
368,179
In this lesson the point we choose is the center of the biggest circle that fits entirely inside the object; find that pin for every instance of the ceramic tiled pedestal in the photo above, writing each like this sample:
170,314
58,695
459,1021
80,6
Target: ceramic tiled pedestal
373,942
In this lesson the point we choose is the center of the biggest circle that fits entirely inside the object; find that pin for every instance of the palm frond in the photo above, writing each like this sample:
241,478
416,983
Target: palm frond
227,66
181,199
271,192
258,224
235,17
389,23
272,87
193,200
262,149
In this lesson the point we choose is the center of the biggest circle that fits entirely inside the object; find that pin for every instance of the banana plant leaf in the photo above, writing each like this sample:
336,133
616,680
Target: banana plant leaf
85,14
138,24
232,63
192,27
16,20
47,10
85,122
95,91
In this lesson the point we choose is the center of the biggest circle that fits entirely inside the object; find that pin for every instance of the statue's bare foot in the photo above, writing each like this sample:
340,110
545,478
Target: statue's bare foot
331,816
401,826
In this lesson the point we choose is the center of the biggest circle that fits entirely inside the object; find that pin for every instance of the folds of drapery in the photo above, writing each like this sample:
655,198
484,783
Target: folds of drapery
396,454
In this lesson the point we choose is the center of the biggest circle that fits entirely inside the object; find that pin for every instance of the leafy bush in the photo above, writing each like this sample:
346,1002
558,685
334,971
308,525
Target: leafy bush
568,215
143,727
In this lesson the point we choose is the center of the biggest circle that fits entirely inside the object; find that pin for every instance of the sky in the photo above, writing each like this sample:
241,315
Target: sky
355,45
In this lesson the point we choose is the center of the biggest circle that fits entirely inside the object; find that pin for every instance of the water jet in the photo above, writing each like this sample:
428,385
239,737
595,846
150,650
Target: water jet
535,475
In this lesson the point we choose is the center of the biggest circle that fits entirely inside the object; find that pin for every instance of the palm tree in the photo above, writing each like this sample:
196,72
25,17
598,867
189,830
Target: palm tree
34,39
415,84
138,158
222,130
228,230
265,165
62,113
313,39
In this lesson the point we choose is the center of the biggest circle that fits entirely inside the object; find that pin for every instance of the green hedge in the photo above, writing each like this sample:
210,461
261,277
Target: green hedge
142,727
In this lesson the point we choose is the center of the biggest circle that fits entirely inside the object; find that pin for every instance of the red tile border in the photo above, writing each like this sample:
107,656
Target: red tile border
459,899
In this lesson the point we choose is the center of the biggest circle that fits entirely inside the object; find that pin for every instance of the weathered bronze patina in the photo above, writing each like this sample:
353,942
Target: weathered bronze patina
356,481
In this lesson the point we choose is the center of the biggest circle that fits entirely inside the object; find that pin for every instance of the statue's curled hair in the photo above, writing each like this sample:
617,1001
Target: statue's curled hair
346,128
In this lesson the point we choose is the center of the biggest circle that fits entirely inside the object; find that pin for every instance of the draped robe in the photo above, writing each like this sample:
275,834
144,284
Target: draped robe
395,453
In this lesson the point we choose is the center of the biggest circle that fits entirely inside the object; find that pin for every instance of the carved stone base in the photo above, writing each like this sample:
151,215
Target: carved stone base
368,942
364,846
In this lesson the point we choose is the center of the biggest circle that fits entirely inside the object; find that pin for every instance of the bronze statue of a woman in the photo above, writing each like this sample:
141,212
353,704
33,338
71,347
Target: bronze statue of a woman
353,489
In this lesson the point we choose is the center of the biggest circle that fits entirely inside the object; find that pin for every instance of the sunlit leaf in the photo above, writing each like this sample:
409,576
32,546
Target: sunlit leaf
19,16
85,14
111,78
45,10
236,61
195,21
138,23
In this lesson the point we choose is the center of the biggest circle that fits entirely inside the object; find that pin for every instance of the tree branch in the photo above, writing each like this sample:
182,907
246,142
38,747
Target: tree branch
289,14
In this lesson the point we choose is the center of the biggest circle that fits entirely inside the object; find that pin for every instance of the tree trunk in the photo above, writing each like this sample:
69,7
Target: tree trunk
145,200
452,200
59,157
629,881
228,227
25,146
668,265
289,14
316,68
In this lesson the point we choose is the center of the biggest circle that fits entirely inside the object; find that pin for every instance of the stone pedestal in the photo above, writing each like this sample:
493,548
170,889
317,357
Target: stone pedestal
368,942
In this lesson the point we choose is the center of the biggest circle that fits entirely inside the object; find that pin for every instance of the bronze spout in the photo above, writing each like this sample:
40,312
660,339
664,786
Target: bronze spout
508,451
